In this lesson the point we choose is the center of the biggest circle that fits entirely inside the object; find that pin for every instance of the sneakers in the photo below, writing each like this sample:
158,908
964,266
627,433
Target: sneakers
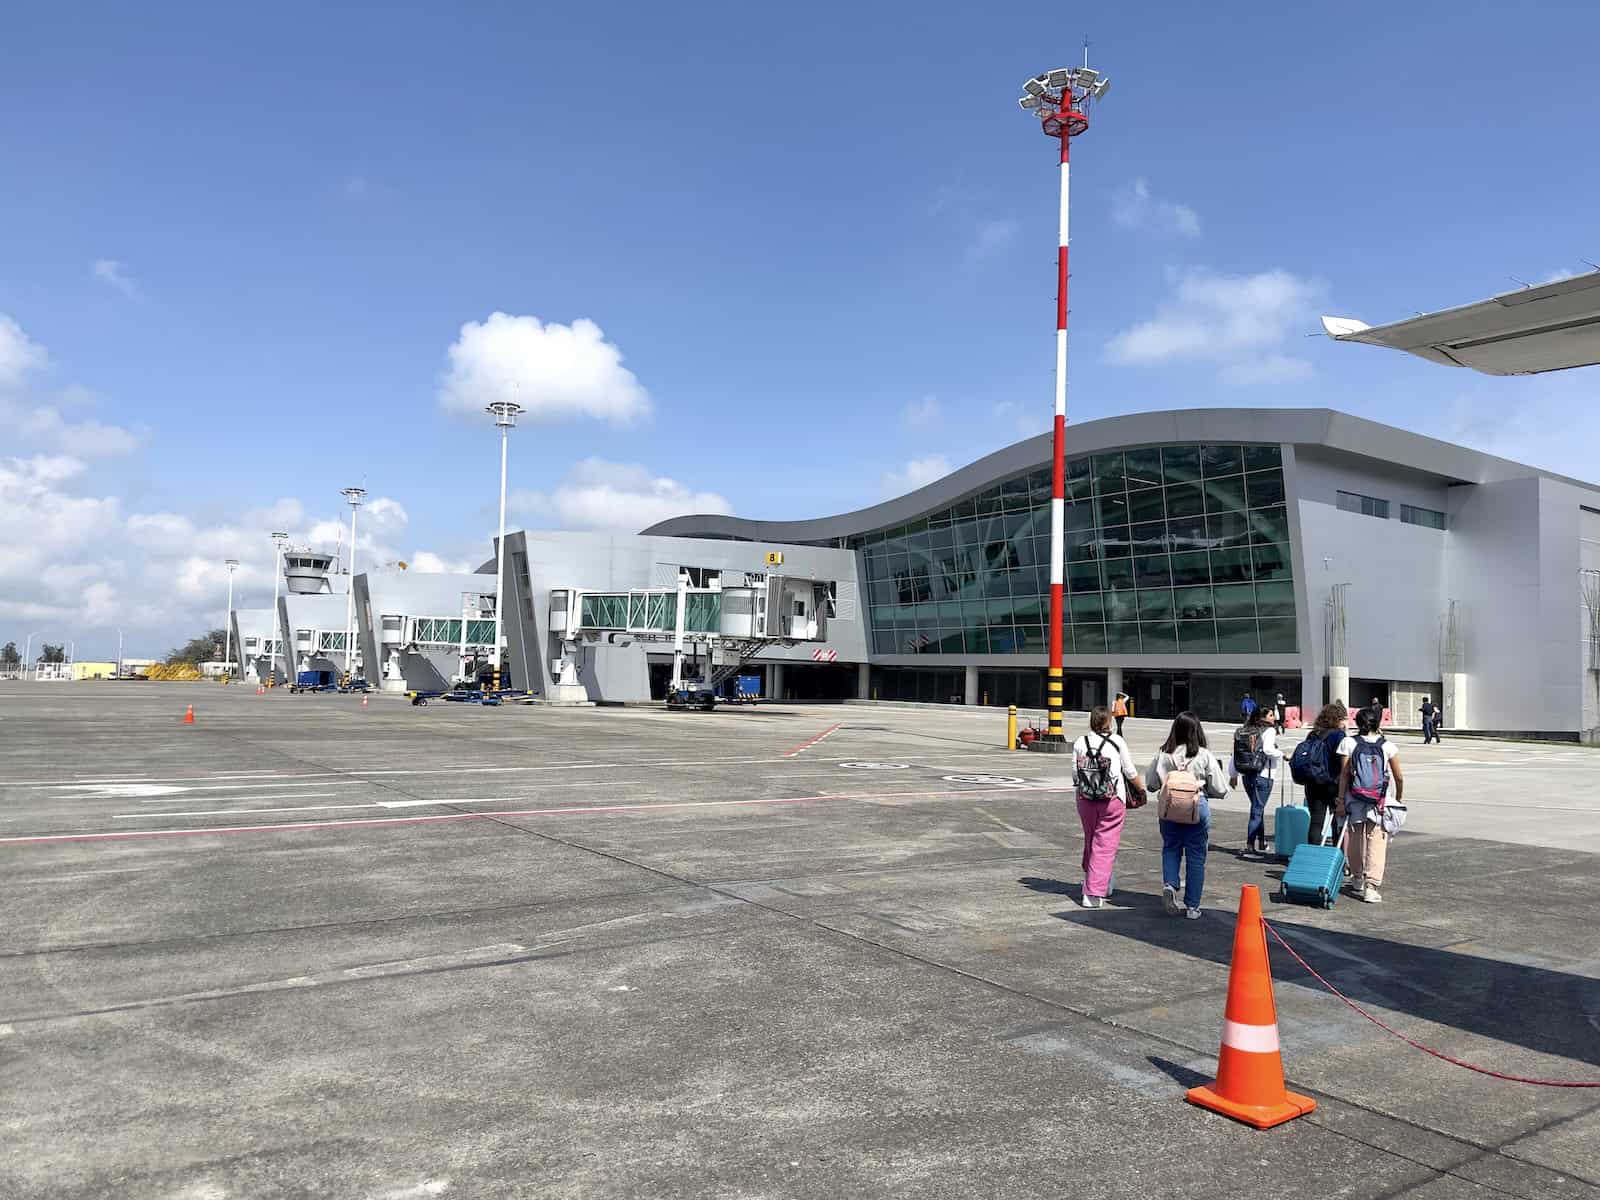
1089,901
1169,900
1371,895
1192,914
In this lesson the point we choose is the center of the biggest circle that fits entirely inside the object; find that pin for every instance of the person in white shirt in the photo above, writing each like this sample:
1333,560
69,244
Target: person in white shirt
1184,843
1372,791
1108,785
1255,761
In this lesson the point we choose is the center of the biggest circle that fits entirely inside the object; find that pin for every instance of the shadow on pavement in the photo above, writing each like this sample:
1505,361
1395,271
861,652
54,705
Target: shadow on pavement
1548,1011
1184,1077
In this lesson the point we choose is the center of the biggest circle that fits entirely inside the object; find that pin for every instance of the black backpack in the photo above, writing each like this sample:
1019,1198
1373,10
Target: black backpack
1096,775
1248,756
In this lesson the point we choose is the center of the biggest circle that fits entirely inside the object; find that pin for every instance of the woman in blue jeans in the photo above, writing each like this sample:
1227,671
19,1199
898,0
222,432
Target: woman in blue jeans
1183,847
1255,762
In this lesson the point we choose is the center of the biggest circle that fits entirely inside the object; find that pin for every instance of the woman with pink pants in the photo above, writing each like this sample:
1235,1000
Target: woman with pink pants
1104,773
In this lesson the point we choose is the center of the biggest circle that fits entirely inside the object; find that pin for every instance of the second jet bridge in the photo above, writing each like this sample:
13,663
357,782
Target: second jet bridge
719,624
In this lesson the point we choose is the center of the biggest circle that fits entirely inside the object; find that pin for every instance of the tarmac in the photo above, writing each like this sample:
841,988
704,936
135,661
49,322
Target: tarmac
310,948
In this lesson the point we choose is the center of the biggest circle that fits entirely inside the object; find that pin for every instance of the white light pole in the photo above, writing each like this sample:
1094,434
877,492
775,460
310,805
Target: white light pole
27,653
278,540
355,496
227,626
505,418
119,654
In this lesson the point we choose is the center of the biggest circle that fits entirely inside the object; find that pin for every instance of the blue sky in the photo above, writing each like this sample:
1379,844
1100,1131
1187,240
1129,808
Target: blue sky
811,250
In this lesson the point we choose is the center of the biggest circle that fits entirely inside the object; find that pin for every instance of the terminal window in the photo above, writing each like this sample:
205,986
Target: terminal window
1412,515
1170,549
1367,506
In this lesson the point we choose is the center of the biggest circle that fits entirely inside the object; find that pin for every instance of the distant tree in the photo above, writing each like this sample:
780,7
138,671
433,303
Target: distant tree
53,654
10,656
205,648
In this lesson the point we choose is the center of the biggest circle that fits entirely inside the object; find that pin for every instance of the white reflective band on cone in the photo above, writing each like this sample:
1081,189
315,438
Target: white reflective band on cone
1253,1039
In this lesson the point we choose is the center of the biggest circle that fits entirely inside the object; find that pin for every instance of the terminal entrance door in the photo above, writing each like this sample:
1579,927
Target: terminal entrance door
1180,694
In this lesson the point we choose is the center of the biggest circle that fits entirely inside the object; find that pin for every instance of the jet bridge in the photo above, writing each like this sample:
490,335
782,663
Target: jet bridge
714,622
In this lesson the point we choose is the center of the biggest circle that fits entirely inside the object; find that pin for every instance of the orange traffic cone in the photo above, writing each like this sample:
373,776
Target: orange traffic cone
260,691
363,702
188,715
1249,1084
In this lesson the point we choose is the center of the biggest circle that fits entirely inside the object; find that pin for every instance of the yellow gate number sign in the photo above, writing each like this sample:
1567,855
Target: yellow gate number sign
774,558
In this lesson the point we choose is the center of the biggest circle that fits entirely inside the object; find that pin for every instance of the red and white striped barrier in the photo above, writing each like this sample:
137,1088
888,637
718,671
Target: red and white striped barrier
824,655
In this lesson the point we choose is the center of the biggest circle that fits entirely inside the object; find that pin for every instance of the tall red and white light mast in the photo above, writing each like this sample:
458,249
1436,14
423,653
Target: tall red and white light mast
1061,99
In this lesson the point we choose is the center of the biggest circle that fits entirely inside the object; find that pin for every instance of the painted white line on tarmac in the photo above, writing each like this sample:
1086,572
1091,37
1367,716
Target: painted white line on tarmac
164,813
224,812
579,810
179,780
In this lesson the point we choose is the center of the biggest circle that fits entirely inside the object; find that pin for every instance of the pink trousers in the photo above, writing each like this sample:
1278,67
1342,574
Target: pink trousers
1102,834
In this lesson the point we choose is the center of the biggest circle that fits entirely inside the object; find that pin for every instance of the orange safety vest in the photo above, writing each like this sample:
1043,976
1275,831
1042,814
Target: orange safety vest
1119,708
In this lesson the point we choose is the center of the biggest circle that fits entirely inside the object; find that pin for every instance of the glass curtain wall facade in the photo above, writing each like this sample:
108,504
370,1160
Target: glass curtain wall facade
1180,549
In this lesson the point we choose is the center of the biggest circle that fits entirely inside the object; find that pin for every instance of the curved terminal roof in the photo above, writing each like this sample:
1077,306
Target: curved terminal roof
1296,426
1526,332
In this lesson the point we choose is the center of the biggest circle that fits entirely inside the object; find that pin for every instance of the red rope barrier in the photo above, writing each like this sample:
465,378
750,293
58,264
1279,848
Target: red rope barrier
1415,1045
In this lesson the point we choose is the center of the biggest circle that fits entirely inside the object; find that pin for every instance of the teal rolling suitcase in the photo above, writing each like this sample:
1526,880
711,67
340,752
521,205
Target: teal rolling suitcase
1291,828
1314,875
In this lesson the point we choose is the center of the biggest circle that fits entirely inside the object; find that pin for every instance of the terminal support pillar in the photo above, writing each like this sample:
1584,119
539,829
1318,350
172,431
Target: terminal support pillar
1113,684
1339,685
970,692
864,681
777,680
1454,700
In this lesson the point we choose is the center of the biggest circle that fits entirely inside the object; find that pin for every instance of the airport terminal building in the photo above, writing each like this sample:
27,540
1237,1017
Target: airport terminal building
1210,553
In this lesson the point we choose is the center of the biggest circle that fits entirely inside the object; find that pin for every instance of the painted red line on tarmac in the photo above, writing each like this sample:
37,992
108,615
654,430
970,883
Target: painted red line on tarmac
369,822
808,744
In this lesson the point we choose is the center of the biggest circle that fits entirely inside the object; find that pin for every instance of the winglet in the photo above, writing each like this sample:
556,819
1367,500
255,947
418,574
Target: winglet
1343,327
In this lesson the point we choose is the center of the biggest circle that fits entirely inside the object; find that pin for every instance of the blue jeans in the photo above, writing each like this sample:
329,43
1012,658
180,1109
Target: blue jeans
1258,789
1430,730
1186,843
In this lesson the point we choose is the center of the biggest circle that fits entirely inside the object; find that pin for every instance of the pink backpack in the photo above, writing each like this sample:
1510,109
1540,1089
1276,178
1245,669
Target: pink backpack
1181,792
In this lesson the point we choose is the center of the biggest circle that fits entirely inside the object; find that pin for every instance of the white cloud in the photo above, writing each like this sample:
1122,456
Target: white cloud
1026,420
1133,207
46,426
19,353
1238,322
42,426
919,472
74,564
426,562
921,413
556,372
115,274
1272,368
991,237
597,494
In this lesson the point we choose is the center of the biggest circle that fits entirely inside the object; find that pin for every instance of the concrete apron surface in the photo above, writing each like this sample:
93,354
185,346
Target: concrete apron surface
600,953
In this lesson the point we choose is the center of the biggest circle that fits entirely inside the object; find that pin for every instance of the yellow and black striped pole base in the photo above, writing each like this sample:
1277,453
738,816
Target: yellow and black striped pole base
1054,740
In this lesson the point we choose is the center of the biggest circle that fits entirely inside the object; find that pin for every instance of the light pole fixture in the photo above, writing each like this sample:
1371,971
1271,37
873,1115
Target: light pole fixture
227,626
278,541
355,496
1061,99
505,419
